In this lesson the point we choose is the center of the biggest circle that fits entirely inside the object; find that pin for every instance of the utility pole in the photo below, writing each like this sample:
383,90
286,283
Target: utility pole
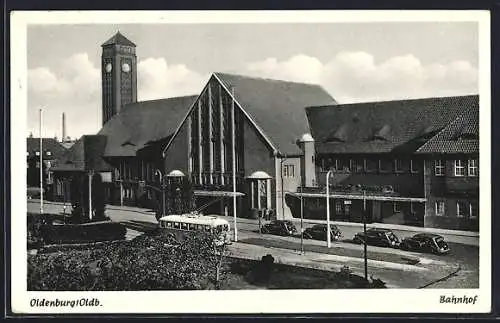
364,232
301,221
328,240
91,174
41,164
233,143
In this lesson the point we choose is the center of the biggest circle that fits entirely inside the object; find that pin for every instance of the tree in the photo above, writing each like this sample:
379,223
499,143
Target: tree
80,198
98,204
187,196
76,188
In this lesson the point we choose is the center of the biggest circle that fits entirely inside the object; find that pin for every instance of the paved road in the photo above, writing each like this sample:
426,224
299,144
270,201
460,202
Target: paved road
393,266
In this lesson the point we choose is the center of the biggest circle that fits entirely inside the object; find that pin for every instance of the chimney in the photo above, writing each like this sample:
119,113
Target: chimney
63,127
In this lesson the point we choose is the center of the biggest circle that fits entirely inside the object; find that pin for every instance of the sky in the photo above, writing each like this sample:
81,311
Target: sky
354,62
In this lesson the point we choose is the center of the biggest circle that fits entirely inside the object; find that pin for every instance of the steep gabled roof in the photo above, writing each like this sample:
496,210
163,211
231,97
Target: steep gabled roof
86,153
276,107
48,144
118,39
140,123
381,127
460,136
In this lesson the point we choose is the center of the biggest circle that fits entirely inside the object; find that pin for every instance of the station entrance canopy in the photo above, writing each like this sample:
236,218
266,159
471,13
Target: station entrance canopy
219,194
368,197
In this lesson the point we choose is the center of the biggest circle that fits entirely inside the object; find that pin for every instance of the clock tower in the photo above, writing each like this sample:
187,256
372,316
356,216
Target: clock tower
119,75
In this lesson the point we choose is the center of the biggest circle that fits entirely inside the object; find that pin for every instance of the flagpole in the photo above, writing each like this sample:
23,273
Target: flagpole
233,143
41,165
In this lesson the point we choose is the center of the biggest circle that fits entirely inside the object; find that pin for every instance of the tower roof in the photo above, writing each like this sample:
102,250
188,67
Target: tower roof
118,38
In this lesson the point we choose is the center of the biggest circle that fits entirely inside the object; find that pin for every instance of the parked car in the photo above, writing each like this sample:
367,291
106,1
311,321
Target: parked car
280,227
426,242
377,237
319,231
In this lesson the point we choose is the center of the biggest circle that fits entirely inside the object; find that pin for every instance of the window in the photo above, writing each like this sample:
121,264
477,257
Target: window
383,165
323,166
49,153
461,208
338,207
473,210
412,208
347,208
398,166
177,225
37,153
289,171
413,166
439,208
439,167
473,167
357,165
184,226
396,207
459,168
370,165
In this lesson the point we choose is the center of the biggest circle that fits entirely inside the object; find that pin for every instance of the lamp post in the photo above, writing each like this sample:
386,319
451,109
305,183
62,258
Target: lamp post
301,222
41,165
328,240
91,175
364,234
162,190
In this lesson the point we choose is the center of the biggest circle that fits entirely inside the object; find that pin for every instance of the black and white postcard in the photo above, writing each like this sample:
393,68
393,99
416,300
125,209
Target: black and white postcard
250,162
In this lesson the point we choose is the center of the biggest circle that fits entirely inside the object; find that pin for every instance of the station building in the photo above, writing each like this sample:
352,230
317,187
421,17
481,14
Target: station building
412,162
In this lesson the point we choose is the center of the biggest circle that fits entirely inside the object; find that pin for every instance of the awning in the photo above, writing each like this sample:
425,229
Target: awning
361,197
218,193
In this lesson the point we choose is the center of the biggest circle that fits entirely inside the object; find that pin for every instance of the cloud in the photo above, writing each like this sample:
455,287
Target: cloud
157,79
357,77
74,87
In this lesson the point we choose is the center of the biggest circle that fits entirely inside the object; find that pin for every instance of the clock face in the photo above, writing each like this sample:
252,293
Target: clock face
126,68
109,67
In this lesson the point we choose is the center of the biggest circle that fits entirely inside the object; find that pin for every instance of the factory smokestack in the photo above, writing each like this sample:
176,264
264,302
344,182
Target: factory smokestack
63,127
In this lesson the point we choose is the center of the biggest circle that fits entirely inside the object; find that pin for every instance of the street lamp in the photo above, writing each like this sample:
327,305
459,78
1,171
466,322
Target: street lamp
328,240
162,190
301,221
41,164
364,233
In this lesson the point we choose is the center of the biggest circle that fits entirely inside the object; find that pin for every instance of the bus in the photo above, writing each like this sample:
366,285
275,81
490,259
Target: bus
178,226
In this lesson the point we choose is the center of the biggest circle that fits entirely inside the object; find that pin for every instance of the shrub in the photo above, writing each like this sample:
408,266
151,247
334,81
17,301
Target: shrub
149,262
78,233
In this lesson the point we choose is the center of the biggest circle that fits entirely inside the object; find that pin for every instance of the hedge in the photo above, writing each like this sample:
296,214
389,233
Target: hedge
78,233
149,262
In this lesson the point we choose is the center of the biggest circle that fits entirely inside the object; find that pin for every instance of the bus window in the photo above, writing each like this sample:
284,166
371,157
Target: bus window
184,226
176,225
207,228
169,224
199,227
